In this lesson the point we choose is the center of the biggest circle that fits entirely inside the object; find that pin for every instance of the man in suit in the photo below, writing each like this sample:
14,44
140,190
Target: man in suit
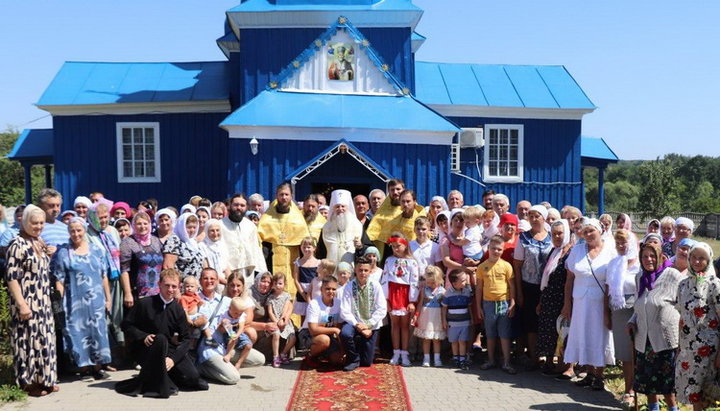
159,338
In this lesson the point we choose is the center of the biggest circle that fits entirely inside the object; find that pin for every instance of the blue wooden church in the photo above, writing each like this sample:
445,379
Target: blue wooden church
325,94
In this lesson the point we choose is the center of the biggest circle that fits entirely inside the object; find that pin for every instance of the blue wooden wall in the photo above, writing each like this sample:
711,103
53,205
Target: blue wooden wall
265,52
423,167
551,155
192,148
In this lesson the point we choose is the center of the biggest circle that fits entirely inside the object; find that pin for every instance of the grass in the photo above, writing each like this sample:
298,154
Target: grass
713,243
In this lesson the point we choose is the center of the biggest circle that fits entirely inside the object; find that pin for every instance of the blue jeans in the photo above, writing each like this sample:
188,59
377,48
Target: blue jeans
358,348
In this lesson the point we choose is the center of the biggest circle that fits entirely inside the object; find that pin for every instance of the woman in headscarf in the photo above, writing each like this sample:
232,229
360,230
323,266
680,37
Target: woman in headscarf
214,250
437,205
120,210
81,205
442,225
653,226
80,270
181,251
165,220
684,228
667,231
203,215
140,261
107,239
260,328
552,288
531,253
699,306
624,222
681,261
654,326
589,342
621,292
32,327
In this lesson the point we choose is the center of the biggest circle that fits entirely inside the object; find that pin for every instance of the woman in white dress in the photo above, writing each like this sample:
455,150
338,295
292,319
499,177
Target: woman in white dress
590,338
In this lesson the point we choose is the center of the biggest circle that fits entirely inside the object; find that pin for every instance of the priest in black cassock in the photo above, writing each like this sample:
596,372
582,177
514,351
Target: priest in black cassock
150,327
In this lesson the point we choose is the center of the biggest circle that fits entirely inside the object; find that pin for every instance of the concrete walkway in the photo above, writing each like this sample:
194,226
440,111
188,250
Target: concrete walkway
266,388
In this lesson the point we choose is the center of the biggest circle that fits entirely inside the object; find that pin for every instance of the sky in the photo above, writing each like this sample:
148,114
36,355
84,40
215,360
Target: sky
649,66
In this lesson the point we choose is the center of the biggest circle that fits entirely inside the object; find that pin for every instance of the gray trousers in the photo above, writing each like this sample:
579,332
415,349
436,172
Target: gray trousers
225,372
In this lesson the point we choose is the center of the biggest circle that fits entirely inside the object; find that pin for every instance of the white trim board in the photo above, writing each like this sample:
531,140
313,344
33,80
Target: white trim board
353,135
210,106
456,110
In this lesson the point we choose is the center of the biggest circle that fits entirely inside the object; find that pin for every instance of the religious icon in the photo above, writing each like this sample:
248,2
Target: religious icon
341,58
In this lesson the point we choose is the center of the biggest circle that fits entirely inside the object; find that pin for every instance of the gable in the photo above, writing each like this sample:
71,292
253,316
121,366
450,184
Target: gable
340,61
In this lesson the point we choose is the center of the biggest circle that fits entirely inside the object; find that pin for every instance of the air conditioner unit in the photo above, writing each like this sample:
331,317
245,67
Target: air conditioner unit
471,138
455,157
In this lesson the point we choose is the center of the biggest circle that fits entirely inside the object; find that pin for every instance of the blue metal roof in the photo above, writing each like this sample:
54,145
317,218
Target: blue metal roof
33,146
287,109
323,5
85,83
499,86
597,148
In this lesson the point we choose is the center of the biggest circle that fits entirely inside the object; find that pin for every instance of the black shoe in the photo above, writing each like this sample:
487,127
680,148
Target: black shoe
211,343
201,385
585,382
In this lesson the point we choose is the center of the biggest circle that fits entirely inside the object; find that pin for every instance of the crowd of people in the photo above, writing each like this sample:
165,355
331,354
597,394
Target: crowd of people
197,293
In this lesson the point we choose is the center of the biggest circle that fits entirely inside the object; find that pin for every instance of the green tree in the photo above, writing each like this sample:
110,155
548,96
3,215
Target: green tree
12,188
661,189
621,196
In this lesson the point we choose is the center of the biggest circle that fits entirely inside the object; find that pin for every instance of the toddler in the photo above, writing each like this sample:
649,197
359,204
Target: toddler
279,308
231,328
456,316
373,255
191,303
325,268
471,239
428,323
343,273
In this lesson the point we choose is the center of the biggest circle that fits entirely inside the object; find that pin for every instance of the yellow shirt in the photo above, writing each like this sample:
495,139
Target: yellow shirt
495,277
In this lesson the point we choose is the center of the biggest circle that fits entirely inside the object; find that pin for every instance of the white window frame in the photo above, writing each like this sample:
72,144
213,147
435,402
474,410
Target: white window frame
119,145
486,154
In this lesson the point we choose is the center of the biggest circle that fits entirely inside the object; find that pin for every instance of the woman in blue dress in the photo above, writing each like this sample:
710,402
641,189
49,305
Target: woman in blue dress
79,269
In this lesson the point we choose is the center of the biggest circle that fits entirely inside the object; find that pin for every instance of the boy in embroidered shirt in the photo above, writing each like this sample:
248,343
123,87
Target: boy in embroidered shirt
457,317
471,240
496,302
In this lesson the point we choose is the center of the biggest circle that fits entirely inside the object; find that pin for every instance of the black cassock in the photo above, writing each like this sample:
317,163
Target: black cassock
151,315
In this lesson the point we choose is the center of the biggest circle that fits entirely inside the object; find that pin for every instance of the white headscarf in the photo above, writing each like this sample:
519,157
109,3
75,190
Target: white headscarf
82,200
215,251
442,201
686,222
556,253
181,231
188,207
168,212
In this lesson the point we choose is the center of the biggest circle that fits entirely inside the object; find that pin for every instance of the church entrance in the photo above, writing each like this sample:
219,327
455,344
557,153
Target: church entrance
341,166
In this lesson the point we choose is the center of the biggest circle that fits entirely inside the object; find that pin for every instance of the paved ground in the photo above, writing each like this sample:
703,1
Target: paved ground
266,388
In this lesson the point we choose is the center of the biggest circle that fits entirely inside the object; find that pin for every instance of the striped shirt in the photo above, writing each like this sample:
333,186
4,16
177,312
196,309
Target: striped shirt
458,306
55,233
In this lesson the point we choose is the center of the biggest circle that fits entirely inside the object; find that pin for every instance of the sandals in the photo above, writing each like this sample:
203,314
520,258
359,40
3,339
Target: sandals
565,377
585,382
509,369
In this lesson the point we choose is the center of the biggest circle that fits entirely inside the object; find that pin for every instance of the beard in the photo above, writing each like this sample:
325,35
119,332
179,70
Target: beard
309,218
342,221
236,216
395,201
282,208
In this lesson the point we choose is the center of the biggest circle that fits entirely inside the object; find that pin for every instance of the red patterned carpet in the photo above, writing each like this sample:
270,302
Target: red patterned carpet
380,387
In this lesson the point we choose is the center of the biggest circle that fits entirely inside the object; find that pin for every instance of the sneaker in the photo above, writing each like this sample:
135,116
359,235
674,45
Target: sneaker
465,364
405,360
395,359
509,369
276,362
284,359
438,363
426,363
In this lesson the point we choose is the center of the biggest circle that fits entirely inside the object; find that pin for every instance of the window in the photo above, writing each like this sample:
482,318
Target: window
138,152
503,153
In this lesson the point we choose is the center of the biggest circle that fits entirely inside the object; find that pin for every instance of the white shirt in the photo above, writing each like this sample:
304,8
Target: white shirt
378,302
321,314
426,254
474,235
